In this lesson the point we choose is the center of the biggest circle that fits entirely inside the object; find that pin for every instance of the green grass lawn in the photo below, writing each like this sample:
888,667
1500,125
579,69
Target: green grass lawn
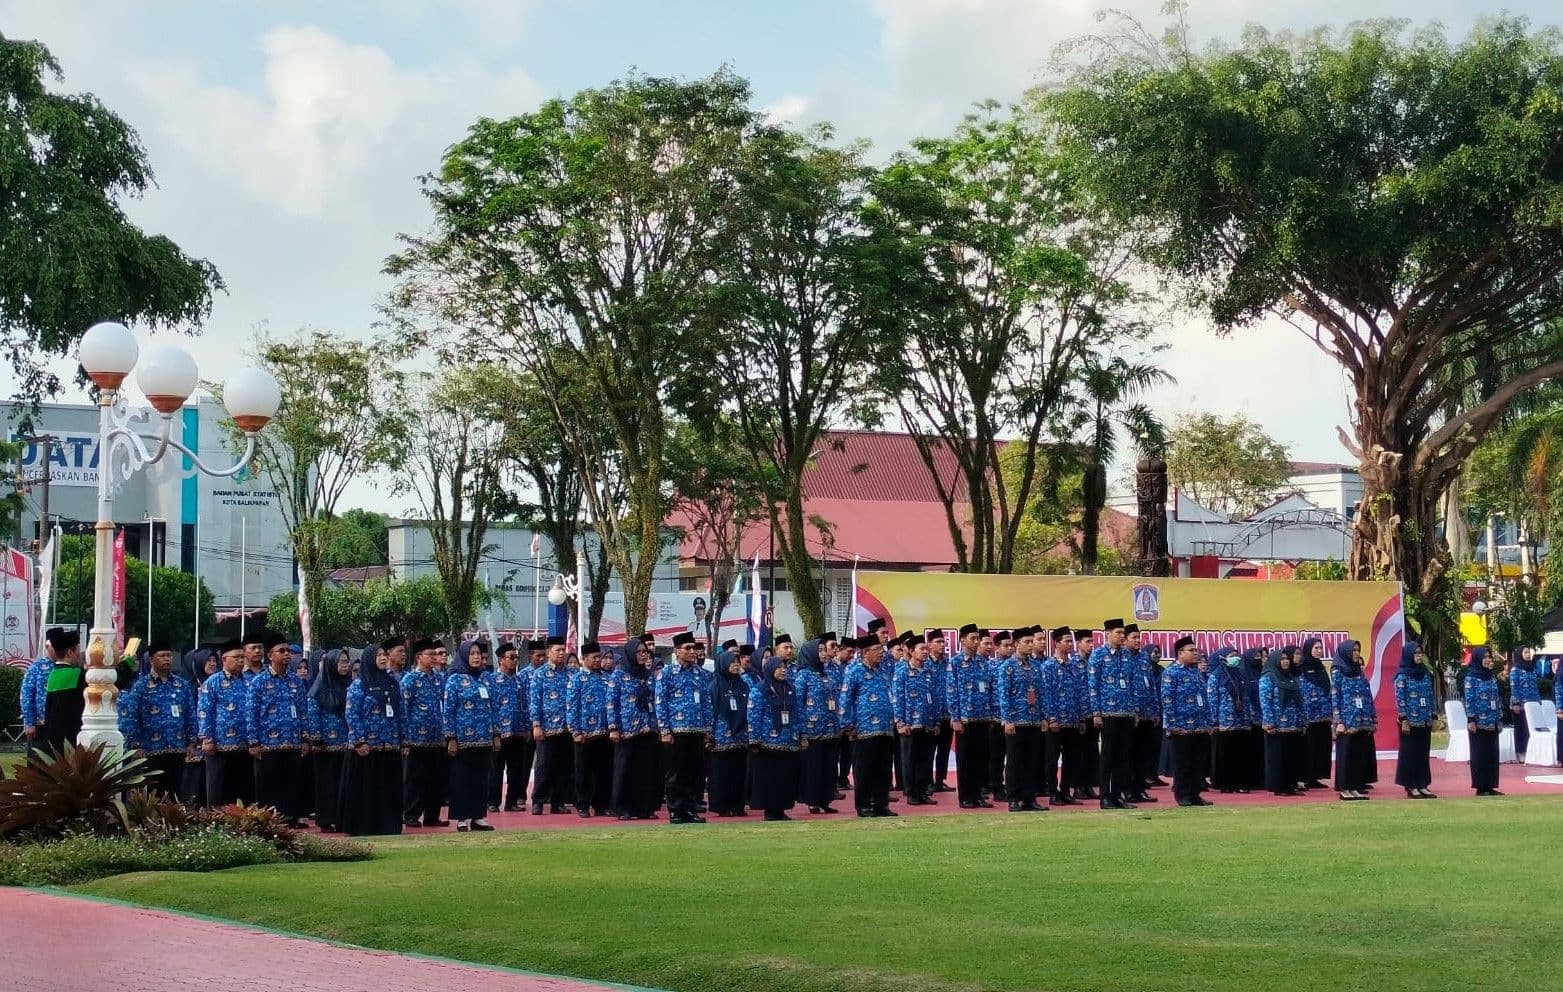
1375,896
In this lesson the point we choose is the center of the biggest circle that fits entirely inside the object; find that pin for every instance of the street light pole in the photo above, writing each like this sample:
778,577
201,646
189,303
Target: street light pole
167,376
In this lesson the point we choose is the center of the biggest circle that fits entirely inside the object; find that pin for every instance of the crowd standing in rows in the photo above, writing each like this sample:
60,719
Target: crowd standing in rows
402,733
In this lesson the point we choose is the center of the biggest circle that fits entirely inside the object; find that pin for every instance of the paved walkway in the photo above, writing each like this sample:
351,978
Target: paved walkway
1449,780
57,943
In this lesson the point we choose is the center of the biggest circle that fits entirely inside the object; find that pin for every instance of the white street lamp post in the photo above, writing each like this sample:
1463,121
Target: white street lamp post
566,589
167,375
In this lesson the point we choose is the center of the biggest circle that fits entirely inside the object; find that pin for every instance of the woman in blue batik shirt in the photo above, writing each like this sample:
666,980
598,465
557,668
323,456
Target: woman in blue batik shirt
372,769
1228,706
1355,722
471,735
773,742
1523,689
1281,713
1318,713
1484,716
730,737
1414,708
326,726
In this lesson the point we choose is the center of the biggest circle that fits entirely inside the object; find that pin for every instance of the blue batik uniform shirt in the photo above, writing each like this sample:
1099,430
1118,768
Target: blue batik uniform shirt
1111,674
866,704
424,701
1184,708
969,689
276,711
683,697
468,711
158,716
222,712
586,703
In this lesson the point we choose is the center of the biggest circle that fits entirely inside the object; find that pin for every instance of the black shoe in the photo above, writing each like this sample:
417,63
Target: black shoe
865,813
984,804
697,818
1111,803
482,826
1141,797
1063,800
512,808
1032,808
773,817
437,823
1158,783
968,804
941,787
885,811
462,828
840,794
1427,795
493,807
537,811
1015,807
1314,783
1187,802
1089,794
412,823
566,808
584,814
1202,801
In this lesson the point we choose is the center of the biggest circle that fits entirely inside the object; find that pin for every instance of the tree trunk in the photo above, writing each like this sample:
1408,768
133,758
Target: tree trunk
646,497
1457,531
800,566
1095,493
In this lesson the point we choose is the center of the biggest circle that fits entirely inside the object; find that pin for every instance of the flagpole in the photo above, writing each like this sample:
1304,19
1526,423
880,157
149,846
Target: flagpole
537,581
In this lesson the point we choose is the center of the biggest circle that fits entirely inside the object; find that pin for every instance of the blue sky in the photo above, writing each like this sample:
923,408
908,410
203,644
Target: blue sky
287,136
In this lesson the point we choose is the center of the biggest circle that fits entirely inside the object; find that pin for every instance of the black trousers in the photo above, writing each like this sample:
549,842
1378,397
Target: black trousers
1521,732
1318,751
1484,759
326,767
192,791
1283,760
1022,754
1190,758
729,773
917,750
1226,759
276,781
1353,755
553,779
1060,756
635,786
871,773
165,773
943,741
594,775
1413,765
685,759
372,793
1147,751
844,758
997,745
1115,768
230,778
897,772
425,772
971,759
509,772
1090,758
817,772
469,771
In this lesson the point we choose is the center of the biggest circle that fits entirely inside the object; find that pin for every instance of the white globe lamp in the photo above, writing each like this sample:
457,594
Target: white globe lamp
107,352
252,397
167,376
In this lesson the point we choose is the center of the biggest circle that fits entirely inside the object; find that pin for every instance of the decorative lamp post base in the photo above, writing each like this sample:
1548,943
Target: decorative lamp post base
100,718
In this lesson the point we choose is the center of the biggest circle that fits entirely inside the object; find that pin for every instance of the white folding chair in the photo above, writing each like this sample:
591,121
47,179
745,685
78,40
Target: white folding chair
1543,746
1506,752
1549,715
1459,738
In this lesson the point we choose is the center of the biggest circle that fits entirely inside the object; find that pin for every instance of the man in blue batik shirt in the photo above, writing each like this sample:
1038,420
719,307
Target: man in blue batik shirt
275,721
1111,672
685,715
157,720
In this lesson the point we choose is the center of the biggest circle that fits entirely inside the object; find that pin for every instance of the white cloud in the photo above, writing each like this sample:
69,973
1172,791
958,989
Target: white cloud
790,108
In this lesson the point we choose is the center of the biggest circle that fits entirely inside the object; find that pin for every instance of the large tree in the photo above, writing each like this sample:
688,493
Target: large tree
580,241
454,467
1000,282
1226,463
68,256
799,281
1392,195
341,419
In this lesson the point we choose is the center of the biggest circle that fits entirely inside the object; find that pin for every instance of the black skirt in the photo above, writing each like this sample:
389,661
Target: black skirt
817,782
775,779
1484,760
1318,746
372,794
327,769
1354,756
729,769
1413,768
469,782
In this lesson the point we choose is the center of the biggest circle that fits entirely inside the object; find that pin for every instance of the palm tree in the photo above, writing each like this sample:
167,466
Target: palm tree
1533,461
1106,405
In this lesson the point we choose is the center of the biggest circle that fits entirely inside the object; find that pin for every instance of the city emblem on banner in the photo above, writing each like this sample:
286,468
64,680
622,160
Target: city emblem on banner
1147,602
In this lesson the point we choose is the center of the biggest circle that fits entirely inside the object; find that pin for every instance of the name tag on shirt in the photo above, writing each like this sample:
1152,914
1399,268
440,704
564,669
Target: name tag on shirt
482,692
732,704
173,710
1358,701
389,710
786,717
830,704
1200,700
1123,683
697,698
293,711
982,687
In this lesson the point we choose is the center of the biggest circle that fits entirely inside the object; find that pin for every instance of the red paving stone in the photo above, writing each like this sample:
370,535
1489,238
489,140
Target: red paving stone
1449,781
55,943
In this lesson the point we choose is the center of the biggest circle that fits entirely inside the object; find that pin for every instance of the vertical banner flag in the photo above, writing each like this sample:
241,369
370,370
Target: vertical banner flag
488,617
18,636
1212,611
117,611
306,629
46,579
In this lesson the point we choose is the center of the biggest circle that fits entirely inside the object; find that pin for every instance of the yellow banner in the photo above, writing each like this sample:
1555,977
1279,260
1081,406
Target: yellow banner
1215,612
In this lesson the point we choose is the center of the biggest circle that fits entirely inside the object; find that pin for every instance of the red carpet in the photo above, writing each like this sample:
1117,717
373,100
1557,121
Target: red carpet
1449,781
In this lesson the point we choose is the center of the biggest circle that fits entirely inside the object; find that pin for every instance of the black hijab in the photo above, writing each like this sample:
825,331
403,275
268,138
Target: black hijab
727,686
808,657
329,690
1223,674
379,685
1409,666
1345,660
194,666
1313,668
778,693
1474,669
635,670
1285,681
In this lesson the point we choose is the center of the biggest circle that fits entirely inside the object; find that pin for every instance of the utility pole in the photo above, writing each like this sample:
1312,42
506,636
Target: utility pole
45,443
